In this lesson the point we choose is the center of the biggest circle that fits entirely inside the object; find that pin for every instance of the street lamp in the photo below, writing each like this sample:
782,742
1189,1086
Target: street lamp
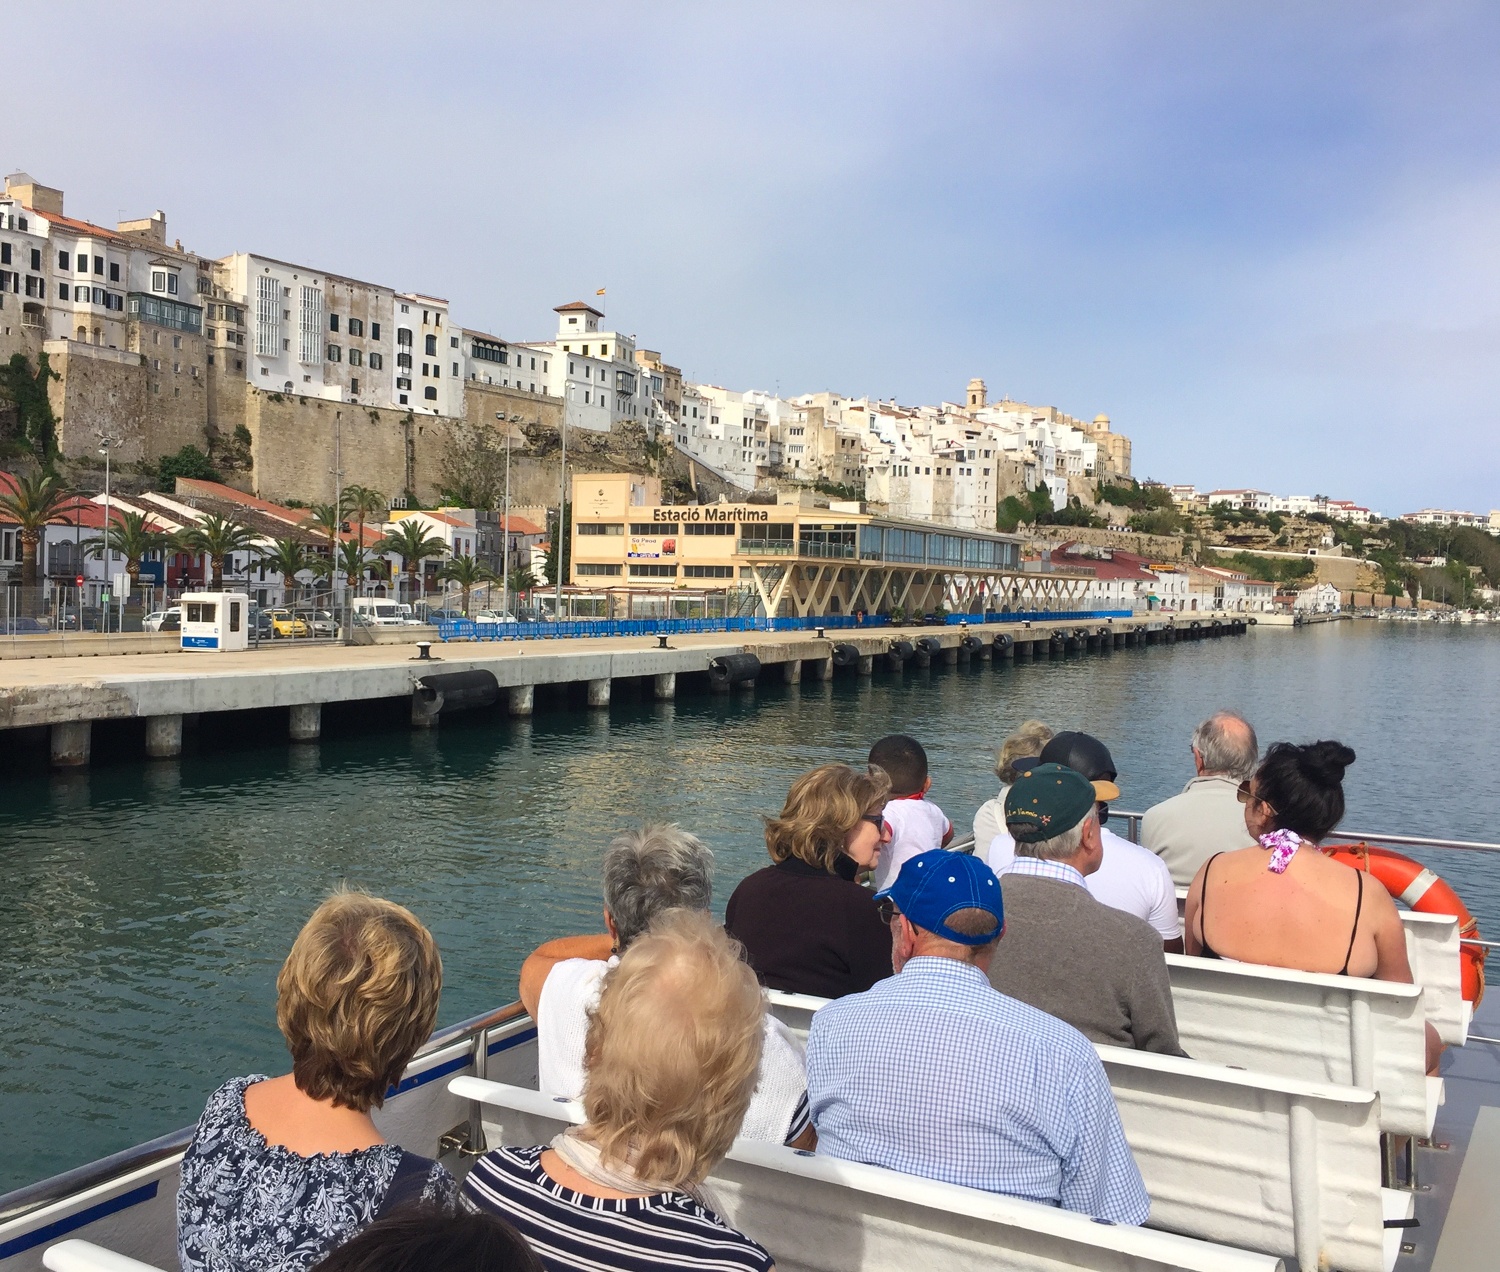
107,442
562,502
505,552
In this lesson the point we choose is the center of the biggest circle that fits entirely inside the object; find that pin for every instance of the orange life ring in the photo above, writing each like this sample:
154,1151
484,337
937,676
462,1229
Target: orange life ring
1425,892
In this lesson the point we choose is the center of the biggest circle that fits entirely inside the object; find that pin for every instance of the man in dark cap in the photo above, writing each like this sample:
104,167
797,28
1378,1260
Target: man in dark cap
1065,952
1130,878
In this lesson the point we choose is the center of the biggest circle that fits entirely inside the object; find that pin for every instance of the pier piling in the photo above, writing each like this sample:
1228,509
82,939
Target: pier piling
164,737
306,722
599,692
664,686
791,671
521,699
71,744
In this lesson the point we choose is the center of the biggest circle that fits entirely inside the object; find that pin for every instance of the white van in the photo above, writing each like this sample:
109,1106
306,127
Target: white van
377,611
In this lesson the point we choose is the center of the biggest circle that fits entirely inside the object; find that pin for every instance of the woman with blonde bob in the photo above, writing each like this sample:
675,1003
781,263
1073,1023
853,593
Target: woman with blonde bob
1025,743
671,1061
806,925
283,1170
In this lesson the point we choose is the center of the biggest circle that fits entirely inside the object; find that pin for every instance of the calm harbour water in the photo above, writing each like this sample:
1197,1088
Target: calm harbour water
146,908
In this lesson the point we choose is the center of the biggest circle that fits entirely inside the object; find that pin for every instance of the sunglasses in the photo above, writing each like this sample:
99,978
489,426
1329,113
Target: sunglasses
1245,795
877,820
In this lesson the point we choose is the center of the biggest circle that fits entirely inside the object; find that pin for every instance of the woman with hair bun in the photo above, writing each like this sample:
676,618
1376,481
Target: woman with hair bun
1282,903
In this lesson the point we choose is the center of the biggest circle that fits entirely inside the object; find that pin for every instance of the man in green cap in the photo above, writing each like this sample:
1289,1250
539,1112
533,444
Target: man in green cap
1095,967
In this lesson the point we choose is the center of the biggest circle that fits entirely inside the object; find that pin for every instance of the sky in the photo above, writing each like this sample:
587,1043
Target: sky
1262,237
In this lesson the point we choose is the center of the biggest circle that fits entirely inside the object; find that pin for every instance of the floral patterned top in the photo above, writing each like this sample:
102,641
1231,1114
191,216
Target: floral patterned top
244,1203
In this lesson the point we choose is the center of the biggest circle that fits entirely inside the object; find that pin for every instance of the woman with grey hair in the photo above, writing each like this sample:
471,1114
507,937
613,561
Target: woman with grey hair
1025,743
647,872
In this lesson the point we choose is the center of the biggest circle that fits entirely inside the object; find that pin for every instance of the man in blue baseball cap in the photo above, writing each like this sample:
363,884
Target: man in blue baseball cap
934,1073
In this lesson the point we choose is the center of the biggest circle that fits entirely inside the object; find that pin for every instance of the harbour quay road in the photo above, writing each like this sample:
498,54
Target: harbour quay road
67,695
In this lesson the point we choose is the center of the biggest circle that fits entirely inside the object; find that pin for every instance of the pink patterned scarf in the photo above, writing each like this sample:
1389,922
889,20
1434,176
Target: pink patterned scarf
1283,845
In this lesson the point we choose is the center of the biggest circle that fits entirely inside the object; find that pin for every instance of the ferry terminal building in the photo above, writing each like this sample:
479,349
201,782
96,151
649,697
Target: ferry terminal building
637,556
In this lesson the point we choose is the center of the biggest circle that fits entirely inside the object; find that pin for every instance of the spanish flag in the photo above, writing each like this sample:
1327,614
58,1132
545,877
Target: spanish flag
600,292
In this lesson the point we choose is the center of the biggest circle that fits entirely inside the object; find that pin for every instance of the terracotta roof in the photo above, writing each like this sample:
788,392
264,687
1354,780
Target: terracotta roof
519,525
86,227
216,490
577,306
441,517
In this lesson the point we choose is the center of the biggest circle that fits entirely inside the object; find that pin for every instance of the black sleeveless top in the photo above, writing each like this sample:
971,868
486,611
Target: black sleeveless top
1208,950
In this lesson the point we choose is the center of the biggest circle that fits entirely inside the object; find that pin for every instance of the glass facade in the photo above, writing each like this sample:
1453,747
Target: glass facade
166,313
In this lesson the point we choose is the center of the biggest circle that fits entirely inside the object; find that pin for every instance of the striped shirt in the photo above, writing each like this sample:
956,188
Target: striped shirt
571,1232
933,1073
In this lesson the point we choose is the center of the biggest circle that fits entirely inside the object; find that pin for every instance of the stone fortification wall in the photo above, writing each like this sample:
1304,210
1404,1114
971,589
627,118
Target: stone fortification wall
100,390
1158,547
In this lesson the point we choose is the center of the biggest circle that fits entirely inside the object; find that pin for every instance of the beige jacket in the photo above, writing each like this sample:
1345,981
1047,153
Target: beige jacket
1186,830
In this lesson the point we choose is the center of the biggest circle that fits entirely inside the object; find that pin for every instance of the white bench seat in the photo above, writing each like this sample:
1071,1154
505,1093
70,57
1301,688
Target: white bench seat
1340,1029
85,1256
1248,1158
822,1215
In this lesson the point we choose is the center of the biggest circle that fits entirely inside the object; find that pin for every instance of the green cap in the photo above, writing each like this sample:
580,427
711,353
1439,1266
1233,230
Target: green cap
1046,801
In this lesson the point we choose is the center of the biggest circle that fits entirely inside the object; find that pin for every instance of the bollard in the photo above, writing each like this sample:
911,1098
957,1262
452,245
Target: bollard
164,737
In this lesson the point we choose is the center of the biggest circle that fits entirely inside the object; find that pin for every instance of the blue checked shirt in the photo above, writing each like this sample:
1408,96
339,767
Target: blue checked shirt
934,1073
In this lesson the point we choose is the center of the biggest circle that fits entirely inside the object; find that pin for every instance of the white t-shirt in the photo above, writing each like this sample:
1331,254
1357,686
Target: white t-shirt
1130,878
917,826
778,1109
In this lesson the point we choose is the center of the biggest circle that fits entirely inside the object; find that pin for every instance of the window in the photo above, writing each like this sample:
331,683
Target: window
453,342
708,571
430,393
403,334
708,527
376,362
267,317
99,265
354,357
403,361
455,368
374,331
615,528
335,354
424,368
356,327
62,291
171,284
597,568
333,323
354,384
36,258
653,571
430,348
403,396
585,351
310,328
62,260
5,254
402,382
177,342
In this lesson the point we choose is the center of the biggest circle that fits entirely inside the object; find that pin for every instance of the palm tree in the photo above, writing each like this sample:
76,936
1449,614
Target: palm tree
467,573
363,502
353,560
522,580
36,503
410,541
328,519
133,537
218,538
289,558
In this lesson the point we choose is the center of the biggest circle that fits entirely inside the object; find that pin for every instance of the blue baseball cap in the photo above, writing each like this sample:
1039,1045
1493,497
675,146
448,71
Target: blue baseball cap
937,883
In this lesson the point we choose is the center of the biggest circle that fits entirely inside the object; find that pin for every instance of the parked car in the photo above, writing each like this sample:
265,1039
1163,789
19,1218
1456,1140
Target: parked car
261,627
494,616
154,620
19,626
437,616
285,623
320,621
171,621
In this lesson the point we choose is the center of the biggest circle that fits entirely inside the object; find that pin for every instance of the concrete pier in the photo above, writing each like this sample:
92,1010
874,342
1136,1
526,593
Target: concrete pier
425,710
306,723
164,737
71,744
169,690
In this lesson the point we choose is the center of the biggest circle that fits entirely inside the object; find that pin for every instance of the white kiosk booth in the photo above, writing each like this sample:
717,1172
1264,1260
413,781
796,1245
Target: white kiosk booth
215,620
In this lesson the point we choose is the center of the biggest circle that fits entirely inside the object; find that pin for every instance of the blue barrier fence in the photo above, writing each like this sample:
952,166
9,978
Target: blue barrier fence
467,629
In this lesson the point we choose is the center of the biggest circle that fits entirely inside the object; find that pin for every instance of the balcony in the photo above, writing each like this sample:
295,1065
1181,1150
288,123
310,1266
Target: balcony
766,547
827,551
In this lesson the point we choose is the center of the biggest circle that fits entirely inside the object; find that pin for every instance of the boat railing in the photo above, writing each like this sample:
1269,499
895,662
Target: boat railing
33,1197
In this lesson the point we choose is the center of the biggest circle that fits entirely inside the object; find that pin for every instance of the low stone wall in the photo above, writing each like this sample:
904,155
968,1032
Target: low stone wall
84,644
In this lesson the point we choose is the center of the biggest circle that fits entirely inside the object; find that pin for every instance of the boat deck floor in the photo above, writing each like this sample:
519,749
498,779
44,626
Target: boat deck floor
1458,1201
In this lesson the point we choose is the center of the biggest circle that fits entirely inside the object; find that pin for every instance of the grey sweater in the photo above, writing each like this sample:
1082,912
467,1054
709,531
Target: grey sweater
1097,968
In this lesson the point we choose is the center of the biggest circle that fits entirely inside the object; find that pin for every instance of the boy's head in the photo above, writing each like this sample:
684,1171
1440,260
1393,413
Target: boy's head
904,762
